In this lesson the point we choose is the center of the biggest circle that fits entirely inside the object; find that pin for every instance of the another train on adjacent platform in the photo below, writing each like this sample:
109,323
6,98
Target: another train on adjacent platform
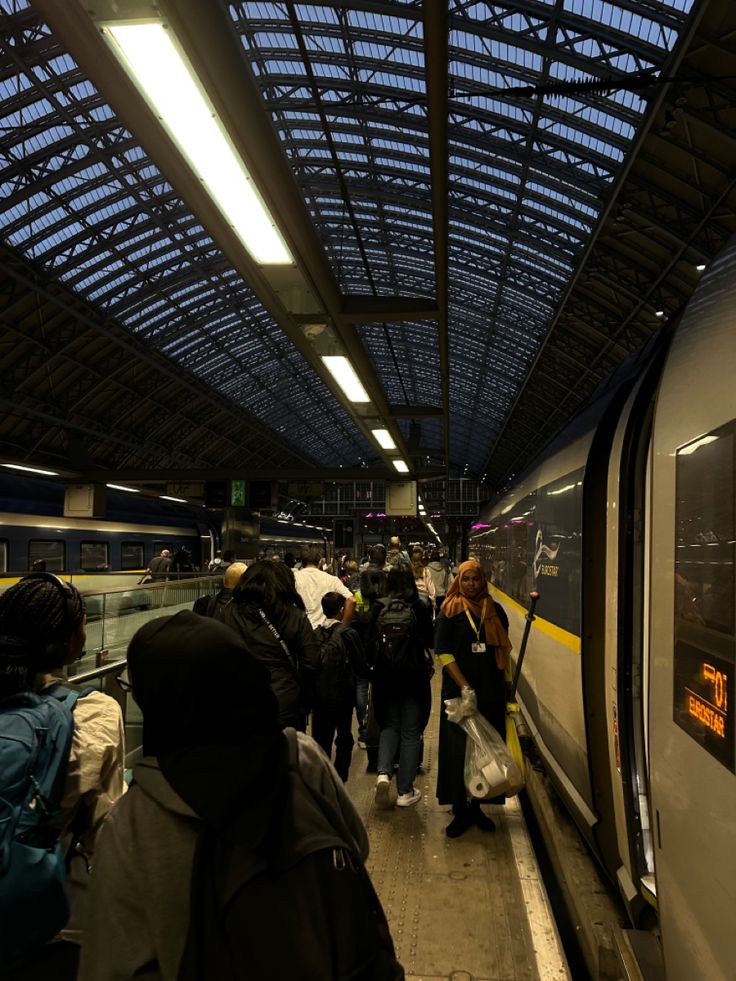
627,528
105,553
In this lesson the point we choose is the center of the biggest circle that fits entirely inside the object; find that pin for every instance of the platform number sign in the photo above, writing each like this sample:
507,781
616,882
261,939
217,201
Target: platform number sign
237,493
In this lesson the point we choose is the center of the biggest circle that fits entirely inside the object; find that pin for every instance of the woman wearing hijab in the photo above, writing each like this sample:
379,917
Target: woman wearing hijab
472,644
212,804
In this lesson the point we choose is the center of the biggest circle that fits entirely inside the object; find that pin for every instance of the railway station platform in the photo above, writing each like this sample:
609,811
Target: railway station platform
469,909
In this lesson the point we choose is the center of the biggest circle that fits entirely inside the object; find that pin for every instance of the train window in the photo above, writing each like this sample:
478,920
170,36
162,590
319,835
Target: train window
132,555
94,556
51,553
3,554
536,545
704,631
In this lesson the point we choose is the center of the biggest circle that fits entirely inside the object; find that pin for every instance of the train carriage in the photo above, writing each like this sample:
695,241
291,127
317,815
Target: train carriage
627,528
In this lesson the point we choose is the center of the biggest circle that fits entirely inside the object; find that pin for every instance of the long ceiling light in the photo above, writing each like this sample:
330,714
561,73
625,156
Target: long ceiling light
122,487
344,374
151,57
401,466
384,439
44,473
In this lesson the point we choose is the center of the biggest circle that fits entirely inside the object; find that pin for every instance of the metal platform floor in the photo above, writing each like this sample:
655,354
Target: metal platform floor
469,909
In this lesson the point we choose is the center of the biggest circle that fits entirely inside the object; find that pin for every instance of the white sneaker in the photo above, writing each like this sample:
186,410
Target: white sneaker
406,800
382,790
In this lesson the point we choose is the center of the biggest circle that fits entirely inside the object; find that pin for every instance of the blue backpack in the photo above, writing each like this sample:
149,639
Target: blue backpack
35,741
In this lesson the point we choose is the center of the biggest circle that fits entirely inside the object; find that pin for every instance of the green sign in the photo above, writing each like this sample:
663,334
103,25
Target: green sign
237,493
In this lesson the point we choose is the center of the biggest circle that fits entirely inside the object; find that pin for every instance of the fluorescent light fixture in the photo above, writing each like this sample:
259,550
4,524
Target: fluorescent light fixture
131,490
345,376
659,313
696,445
384,439
179,500
18,466
700,267
401,466
160,71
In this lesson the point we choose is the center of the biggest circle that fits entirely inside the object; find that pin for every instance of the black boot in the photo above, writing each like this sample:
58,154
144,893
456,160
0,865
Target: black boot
480,819
460,823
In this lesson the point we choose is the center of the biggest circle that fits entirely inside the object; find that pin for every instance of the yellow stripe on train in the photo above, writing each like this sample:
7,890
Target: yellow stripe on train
564,637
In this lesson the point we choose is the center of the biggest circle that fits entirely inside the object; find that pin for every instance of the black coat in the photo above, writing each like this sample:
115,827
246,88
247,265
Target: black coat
419,684
292,679
454,636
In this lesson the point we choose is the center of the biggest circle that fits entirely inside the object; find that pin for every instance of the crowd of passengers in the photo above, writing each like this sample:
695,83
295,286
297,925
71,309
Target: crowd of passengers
236,850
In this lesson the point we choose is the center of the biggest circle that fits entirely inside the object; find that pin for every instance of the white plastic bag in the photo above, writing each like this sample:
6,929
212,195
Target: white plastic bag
490,769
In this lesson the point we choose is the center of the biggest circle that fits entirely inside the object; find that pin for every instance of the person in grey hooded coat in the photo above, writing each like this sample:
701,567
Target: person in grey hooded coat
215,765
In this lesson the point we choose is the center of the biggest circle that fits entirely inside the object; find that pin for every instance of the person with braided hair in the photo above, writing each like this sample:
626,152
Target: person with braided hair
42,630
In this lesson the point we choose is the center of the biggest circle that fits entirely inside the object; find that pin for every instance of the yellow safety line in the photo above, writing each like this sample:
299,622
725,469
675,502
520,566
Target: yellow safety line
564,637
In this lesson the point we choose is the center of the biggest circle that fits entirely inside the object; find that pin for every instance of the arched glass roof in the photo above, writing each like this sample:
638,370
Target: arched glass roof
80,198
549,105
528,173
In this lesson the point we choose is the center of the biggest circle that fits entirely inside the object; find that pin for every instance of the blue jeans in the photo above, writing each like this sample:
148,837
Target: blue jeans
401,731
361,705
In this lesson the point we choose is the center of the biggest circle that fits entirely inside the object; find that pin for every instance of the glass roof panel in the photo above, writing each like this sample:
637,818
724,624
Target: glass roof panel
80,197
529,172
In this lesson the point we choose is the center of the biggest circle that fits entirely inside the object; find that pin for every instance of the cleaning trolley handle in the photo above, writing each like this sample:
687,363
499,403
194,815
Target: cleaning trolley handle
534,596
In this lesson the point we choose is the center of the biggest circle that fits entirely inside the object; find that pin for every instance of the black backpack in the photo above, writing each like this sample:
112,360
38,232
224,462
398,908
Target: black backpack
304,908
205,605
336,679
398,649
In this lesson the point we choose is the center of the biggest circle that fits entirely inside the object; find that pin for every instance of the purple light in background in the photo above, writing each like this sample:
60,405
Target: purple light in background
479,525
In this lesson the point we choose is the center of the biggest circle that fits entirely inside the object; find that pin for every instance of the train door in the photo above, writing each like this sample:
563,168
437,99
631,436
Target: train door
693,636
626,654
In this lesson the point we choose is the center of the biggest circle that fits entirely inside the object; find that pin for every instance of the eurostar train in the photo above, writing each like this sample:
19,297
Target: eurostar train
626,527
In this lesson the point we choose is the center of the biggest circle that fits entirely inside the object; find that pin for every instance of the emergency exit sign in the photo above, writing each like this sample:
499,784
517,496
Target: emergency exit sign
237,493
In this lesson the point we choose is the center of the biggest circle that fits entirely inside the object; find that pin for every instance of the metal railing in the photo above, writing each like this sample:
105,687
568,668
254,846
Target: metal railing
113,616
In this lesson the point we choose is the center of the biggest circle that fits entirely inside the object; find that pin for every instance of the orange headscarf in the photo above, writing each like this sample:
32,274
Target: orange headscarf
457,602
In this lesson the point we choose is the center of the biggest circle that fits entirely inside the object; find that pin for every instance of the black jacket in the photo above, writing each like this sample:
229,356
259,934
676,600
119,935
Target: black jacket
419,686
207,606
292,679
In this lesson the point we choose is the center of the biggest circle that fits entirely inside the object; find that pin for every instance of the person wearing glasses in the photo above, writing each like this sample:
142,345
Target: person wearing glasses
42,631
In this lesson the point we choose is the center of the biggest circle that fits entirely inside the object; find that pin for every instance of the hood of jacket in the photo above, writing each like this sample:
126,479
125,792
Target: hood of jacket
148,776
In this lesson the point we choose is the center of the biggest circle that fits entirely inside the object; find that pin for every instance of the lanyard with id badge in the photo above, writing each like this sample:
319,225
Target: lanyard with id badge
479,646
